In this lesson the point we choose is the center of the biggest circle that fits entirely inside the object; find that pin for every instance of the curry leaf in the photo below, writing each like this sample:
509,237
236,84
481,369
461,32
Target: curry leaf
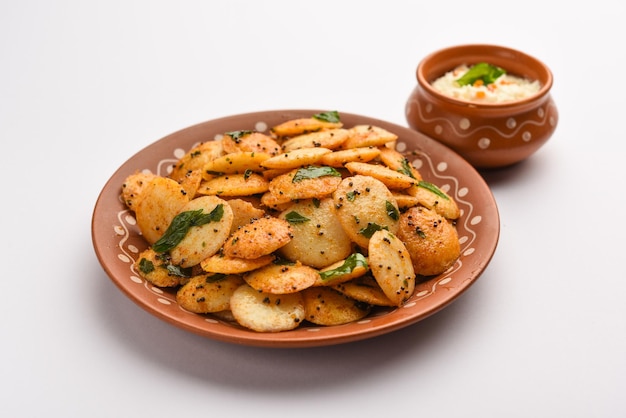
181,224
352,262
332,116
294,217
431,187
482,71
369,230
311,172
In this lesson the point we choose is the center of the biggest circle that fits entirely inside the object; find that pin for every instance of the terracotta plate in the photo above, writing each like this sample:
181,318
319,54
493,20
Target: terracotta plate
117,241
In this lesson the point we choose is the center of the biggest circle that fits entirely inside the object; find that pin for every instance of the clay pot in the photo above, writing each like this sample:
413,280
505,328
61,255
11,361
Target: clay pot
487,135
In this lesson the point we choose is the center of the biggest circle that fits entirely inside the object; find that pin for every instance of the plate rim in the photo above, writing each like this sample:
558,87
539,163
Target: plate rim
295,338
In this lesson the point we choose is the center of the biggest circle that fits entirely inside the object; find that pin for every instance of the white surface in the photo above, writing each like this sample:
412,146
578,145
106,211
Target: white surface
85,85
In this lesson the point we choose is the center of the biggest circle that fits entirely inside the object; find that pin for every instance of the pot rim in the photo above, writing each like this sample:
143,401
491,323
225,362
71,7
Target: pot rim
438,62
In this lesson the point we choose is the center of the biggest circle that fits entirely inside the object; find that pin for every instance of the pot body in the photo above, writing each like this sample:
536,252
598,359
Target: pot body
486,135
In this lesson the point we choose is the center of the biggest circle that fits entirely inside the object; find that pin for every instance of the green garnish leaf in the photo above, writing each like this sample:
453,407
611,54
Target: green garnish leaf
332,116
237,135
294,217
247,174
369,230
182,223
279,261
353,261
174,270
146,266
429,186
392,210
482,71
213,278
311,172
351,196
406,168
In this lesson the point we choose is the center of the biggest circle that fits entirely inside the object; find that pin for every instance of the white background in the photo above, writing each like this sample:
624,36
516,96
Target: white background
86,84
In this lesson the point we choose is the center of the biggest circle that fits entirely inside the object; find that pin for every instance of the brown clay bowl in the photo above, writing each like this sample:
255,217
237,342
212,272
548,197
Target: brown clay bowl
487,135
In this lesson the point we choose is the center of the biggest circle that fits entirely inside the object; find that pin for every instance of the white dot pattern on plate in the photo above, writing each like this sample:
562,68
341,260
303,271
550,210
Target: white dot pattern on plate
179,153
422,162
444,281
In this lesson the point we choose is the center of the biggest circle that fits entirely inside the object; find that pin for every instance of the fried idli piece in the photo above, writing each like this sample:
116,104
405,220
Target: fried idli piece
342,157
318,237
204,240
391,266
225,315
156,268
363,205
260,237
432,197
294,186
275,202
325,306
270,173
249,141
368,136
405,200
190,182
208,293
244,212
219,263
330,138
296,158
161,200
432,240
398,162
133,186
364,289
282,278
266,312
235,163
392,179
234,185
196,158
302,126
